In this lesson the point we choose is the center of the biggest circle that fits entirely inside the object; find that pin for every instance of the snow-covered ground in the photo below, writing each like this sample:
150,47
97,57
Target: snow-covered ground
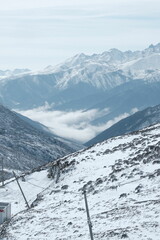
33,185
122,179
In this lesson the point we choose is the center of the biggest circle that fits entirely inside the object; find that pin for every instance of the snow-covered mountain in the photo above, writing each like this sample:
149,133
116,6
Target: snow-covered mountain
81,77
10,73
122,180
132,123
117,81
25,144
99,66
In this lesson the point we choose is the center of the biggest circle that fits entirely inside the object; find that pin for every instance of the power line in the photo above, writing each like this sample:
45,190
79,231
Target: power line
36,185
64,191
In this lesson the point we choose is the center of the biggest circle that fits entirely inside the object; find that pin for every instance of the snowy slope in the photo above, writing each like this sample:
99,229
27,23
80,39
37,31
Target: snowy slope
122,178
25,144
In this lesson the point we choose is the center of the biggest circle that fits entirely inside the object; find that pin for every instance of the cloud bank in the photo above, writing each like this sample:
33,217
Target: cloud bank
72,125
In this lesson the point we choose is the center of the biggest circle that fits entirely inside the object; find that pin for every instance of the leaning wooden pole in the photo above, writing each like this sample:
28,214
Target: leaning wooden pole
21,190
2,172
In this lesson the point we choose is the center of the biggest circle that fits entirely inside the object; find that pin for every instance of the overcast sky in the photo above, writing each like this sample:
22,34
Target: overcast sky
37,33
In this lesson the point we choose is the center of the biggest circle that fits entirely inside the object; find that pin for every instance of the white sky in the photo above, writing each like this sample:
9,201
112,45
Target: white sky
37,33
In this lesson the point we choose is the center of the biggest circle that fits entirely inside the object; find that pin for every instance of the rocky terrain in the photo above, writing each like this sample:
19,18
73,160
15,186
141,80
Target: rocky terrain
122,179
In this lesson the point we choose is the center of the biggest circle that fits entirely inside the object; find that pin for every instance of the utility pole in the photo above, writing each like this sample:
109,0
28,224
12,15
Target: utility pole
21,190
3,131
88,216
2,173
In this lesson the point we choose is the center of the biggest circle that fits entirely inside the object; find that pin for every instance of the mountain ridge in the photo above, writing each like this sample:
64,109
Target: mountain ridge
135,122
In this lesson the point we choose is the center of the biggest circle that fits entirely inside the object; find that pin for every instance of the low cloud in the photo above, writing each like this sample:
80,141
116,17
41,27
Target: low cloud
73,125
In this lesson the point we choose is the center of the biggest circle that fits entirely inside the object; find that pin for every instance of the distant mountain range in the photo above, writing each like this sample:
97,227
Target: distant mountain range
79,77
114,80
25,144
132,123
9,73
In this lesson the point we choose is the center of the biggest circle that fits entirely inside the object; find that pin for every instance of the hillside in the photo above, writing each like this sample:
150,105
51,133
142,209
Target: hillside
122,179
132,123
25,144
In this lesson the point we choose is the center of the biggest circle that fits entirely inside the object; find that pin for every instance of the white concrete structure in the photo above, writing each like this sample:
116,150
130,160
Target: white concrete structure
5,212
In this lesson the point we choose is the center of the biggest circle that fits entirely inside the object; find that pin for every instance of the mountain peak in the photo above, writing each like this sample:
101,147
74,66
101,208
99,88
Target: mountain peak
153,48
78,58
114,50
